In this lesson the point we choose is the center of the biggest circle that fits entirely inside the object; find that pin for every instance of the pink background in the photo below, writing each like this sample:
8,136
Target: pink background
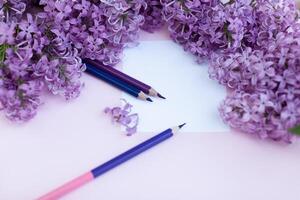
65,140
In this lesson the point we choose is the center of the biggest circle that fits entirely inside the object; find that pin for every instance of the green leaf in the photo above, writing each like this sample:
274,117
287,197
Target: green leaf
228,34
295,130
3,49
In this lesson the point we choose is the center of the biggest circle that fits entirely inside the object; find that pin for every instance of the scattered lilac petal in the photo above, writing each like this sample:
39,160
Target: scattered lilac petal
122,115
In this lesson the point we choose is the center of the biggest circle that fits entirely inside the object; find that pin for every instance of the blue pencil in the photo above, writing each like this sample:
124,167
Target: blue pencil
98,171
90,69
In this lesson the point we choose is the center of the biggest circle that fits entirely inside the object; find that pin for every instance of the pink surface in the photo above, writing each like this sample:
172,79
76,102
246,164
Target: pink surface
68,187
65,140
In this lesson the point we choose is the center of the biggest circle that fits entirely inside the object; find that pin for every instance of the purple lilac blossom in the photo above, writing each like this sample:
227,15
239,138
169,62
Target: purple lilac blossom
267,65
33,58
207,26
153,16
122,115
264,114
97,29
253,48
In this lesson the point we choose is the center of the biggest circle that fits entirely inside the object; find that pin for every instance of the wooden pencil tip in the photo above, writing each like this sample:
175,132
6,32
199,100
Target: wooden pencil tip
160,96
148,99
182,125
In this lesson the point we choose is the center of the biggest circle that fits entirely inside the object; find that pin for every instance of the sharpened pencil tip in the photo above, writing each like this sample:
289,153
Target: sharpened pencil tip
148,99
160,96
182,125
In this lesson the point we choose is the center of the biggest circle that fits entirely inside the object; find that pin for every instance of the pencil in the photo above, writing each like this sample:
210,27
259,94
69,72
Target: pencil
124,77
90,69
98,171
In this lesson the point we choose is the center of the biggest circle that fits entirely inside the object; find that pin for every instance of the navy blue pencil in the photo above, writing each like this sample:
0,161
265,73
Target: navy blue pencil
98,171
116,82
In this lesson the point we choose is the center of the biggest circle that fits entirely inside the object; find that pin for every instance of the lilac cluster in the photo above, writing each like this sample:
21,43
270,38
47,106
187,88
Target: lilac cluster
42,43
153,16
253,47
99,30
265,114
33,58
122,115
207,26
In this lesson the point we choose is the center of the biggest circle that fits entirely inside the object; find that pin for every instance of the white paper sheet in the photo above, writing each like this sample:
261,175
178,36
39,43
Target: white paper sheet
191,96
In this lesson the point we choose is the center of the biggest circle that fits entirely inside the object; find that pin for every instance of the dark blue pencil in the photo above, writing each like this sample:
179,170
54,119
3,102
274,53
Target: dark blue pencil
147,89
98,171
116,82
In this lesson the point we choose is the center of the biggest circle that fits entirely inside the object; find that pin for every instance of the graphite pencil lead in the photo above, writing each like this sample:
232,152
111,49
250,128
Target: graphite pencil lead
160,96
182,125
148,99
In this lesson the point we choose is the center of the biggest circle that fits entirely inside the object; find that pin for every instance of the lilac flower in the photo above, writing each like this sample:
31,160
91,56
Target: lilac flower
153,16
83,7
21,104
63,9
12,10
123,116
32,58
31,88
259,114
253,48
6,33
27,28
287,77
204,27
41,67
98,29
